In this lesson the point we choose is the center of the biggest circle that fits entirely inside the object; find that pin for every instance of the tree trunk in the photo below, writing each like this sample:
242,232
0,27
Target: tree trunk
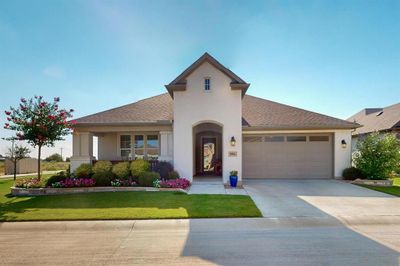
15,169
39,153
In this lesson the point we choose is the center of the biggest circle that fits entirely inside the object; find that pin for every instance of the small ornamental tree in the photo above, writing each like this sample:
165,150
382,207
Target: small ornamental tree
378,155
38,122
16,154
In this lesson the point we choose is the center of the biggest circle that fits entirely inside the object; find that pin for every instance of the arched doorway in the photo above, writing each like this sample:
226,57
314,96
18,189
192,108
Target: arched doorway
207,148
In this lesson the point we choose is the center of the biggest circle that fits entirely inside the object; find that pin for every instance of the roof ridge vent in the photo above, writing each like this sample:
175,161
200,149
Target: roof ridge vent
369,111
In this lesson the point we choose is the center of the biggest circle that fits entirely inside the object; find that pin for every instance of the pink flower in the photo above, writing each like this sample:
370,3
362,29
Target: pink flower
9,118
56,99
23,100
7,112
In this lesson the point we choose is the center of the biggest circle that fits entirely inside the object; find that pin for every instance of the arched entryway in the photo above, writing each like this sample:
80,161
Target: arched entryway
207,148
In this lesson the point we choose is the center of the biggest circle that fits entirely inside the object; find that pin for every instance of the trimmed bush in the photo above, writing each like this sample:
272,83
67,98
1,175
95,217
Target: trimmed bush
139,166
102,179
83,171
173,175
121,170
352,173
55,178
102,167
164,168
146,179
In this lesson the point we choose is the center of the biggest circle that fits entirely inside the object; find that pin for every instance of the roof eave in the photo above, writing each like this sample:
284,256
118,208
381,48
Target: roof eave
136,123
327,127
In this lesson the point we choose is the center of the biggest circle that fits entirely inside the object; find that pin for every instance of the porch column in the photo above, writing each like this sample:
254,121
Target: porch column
166,146
82,149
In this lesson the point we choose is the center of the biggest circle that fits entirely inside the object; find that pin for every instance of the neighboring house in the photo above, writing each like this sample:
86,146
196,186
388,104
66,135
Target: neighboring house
382,120
207,125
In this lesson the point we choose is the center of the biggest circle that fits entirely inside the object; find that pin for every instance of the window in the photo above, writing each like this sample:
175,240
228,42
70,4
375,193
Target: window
125,146
152,146
139,146
296,138
252,139
319,138
274,138
207,84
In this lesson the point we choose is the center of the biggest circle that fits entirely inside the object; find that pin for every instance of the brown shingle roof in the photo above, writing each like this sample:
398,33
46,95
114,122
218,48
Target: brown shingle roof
257,114
265,114
377,119
157,109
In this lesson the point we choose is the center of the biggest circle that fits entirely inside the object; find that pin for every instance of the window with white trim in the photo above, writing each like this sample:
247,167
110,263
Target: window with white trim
139,146
125,147
152,147
207,84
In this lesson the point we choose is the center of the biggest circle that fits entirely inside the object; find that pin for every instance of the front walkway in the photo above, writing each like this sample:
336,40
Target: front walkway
213,185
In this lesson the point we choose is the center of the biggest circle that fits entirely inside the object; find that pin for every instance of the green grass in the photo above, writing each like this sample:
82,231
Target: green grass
122,205
393,190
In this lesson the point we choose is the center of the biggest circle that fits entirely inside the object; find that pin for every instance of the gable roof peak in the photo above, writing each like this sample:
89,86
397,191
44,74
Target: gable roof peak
179,83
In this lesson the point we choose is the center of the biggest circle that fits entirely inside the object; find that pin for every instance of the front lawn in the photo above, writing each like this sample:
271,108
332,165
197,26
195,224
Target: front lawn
394,190
122,205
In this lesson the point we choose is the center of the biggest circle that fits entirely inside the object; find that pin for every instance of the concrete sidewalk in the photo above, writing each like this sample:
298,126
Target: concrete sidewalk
262,241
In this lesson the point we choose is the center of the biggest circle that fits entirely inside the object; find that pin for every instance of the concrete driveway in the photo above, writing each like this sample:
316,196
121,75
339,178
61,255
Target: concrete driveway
319,198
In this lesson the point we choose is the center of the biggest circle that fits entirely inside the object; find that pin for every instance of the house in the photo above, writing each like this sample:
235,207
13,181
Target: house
382,120
207,124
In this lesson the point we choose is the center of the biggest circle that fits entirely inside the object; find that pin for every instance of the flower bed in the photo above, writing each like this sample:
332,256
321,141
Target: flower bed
28,183
74,182
182,183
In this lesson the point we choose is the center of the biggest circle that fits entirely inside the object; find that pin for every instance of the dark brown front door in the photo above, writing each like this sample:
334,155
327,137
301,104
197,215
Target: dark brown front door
208,154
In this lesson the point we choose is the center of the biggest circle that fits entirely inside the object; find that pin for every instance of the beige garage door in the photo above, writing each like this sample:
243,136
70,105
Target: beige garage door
288,156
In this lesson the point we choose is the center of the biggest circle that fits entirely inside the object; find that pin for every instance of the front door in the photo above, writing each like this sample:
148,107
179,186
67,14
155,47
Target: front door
209,152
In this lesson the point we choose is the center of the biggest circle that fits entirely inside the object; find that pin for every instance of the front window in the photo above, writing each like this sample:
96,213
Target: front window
139,146
152,146
142,147
125,144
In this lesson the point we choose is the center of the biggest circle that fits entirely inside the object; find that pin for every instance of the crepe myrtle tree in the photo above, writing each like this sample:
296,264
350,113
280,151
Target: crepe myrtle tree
40,123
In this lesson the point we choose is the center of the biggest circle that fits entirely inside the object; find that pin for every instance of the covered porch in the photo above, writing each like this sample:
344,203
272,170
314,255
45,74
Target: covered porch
122,143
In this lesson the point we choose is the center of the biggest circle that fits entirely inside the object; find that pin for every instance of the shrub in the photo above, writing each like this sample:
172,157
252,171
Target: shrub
129,182
55,178
146,179
173,175
102,167
182,183
139,166
378,155
121,170
102,178
28,183
352,173
163,168
83,171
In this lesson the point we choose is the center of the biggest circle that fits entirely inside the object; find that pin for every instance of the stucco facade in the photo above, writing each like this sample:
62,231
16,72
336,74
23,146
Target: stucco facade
221,105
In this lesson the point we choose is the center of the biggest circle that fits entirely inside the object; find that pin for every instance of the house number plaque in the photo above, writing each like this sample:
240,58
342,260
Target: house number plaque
232,154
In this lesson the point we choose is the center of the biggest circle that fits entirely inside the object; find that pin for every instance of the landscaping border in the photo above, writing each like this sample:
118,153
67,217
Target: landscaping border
371,182
77,190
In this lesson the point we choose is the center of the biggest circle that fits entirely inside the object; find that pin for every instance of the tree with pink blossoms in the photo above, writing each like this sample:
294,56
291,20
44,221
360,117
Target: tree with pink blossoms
40,123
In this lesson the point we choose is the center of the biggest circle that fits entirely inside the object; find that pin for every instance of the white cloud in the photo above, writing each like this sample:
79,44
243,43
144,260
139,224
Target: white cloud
54,72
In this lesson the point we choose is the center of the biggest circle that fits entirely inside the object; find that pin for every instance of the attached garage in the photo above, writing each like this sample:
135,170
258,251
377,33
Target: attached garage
288,156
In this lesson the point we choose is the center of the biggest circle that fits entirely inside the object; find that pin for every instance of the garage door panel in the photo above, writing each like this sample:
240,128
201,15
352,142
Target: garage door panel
309,159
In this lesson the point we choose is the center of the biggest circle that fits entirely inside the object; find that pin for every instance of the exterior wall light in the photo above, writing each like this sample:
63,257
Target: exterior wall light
233,141
344,144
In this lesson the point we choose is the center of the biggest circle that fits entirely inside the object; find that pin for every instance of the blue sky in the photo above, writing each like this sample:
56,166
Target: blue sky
332,57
